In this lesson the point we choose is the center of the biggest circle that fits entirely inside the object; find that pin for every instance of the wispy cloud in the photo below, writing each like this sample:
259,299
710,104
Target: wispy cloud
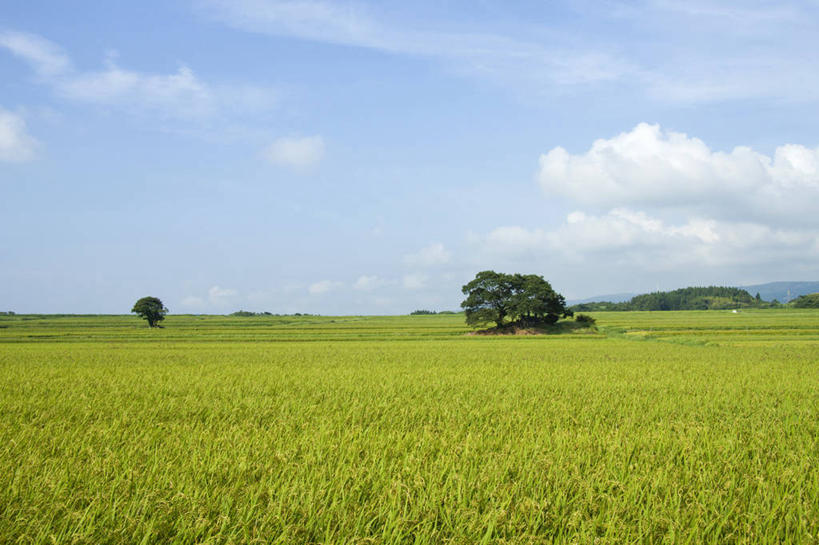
181,94
295,152
368,283
694,51
429,256
681,52
46,58
322,286
16,145
222,296
479,53
415,281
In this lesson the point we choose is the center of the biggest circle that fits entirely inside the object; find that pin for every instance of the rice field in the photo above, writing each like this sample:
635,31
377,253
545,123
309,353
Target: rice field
664,427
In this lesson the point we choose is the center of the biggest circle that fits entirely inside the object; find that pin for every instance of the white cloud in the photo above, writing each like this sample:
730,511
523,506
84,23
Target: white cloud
368,283
217,294
46,58
15,143
414,281
323,286
181,94
675,51
478,53
655,168
655,205
637,240
295,152
434,254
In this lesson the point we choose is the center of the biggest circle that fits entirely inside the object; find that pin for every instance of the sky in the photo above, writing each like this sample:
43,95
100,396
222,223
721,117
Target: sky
353,157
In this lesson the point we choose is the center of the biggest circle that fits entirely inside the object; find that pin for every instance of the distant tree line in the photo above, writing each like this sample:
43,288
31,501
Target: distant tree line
7,313
423,312
249,314
694,298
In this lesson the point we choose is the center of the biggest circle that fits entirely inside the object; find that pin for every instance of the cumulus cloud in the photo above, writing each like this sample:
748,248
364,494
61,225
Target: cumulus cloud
296,152
323,286
368,283
634,239
181,94
649,167
652,201
15,143
434,254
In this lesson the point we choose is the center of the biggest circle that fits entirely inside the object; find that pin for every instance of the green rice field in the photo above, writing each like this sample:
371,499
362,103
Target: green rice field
658,427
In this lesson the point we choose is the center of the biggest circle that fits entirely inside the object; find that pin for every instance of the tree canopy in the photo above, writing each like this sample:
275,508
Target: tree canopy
151,309
807,301
526,299
692,298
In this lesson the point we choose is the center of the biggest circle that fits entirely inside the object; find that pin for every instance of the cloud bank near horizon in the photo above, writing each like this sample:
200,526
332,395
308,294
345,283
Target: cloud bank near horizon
653,201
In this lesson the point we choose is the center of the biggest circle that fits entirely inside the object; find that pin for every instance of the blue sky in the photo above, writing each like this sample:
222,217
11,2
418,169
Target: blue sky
370,158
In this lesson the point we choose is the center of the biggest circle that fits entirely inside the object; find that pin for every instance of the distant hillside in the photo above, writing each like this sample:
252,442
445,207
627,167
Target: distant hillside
782,291
697,298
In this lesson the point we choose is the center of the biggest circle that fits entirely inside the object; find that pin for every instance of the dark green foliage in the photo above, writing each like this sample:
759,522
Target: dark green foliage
585,319
248,314
527,300
712,297
422,312
806,301
700,298
598,306
488,298
151,309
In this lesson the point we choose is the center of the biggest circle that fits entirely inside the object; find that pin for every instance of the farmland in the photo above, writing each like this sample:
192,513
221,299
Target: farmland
660,427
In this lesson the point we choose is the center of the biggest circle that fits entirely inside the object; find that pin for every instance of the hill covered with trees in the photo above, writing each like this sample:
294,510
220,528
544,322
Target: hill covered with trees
807,301
693,298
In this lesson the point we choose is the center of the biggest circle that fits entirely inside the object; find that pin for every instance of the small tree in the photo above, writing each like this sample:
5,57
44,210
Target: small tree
150,309
585,319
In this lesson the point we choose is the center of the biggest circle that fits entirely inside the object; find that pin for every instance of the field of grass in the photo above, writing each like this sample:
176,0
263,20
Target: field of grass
661,427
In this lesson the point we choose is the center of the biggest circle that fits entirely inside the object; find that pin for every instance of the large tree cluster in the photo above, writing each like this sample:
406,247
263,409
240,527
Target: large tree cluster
807,301
523,299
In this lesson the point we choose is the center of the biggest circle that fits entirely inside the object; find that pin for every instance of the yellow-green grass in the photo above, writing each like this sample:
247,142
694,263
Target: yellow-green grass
404,430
